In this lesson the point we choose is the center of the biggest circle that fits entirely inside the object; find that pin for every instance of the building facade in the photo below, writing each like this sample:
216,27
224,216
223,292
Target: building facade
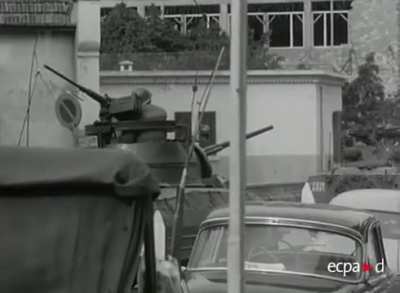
298,103
329,34
64,34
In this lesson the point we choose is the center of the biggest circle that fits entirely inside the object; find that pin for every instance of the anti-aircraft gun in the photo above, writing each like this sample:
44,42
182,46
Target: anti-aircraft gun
133,123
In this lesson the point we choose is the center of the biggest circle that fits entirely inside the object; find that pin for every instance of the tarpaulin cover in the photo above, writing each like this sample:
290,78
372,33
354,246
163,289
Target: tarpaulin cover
72,221
105,168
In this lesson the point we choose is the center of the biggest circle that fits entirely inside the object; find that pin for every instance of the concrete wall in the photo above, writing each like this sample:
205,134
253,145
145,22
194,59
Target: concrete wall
16,47
286,99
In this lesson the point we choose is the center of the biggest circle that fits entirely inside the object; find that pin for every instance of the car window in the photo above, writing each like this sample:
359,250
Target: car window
279,248
375,256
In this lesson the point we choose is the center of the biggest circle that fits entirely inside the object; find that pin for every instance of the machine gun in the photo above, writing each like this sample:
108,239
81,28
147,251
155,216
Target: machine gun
135,118
216,148
120,108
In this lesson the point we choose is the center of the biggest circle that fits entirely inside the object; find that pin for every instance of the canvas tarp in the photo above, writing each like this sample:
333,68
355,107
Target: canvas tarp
73,221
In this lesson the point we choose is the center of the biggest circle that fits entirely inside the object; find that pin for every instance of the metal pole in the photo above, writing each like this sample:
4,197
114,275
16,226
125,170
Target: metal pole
237,180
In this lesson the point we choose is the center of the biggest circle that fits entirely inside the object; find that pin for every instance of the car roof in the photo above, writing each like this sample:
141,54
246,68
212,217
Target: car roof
324,213
387,200
37,169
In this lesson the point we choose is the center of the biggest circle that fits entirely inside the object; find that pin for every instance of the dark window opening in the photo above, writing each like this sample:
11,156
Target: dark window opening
323,29
280,30
276,7
328,29
326,5
341,30
342,5
297,30
319,29
321,6
256,27
191,9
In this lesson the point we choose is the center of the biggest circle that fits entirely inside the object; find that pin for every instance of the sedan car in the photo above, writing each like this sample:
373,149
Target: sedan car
297,248
384,204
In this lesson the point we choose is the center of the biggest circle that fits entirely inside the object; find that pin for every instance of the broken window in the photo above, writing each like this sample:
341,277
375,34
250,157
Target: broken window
331,23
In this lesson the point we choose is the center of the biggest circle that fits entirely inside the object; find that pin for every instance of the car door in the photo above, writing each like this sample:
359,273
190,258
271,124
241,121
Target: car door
378,275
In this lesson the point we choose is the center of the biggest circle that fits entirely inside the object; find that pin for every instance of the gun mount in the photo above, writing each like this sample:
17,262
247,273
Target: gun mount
122,108
133,124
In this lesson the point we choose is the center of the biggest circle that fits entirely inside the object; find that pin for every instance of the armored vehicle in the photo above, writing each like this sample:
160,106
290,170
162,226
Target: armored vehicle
134,124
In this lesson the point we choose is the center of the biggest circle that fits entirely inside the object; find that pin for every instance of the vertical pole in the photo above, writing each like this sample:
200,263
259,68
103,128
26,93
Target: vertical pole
331,16
308,23
237,180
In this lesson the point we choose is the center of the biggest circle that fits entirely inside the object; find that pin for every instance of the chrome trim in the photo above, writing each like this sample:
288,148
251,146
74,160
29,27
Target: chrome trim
317,276
290,222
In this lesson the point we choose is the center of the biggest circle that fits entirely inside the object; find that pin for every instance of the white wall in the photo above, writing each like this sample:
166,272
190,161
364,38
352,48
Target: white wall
287,100
55,49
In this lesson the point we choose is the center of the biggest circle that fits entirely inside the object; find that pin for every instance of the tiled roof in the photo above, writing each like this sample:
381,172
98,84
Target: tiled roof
35,12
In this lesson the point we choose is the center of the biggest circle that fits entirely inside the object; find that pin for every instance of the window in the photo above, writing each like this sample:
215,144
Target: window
284,248
207,128
185,17
283,21
374,251
331,23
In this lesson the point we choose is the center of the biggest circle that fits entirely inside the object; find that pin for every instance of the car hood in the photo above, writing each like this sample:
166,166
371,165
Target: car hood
215,282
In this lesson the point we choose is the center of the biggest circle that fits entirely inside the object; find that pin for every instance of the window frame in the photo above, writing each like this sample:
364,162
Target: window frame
378,246
324,13
266,16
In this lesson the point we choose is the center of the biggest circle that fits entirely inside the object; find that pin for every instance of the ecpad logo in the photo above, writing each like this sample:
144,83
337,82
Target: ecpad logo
346,268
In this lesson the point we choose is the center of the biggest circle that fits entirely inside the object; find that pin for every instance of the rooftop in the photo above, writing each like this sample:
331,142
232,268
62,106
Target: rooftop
25,13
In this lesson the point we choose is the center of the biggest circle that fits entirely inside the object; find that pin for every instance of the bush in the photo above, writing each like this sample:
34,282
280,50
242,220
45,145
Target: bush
126,35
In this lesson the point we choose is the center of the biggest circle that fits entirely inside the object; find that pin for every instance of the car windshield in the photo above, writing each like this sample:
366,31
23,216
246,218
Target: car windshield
279,248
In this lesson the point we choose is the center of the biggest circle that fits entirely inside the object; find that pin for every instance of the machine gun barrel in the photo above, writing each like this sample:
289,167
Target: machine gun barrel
213,149
103,101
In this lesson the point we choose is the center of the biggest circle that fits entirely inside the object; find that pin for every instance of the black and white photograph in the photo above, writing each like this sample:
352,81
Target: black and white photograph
199,146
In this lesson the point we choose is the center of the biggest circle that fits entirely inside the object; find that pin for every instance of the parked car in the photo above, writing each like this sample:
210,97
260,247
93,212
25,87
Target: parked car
296,248
384,204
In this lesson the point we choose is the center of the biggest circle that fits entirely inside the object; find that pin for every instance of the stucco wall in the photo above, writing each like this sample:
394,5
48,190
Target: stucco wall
287,154
56,49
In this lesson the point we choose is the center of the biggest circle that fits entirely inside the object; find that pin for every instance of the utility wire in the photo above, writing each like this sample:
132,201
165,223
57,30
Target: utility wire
26,121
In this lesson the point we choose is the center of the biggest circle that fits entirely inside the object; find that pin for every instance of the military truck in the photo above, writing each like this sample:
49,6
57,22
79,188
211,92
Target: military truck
75,220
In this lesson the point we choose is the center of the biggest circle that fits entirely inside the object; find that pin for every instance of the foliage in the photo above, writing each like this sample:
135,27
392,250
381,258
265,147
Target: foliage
125,32
364,103
370,119
367,90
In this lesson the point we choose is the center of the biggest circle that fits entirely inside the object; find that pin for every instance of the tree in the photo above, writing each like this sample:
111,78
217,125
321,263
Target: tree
123,31
163,36
367,89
